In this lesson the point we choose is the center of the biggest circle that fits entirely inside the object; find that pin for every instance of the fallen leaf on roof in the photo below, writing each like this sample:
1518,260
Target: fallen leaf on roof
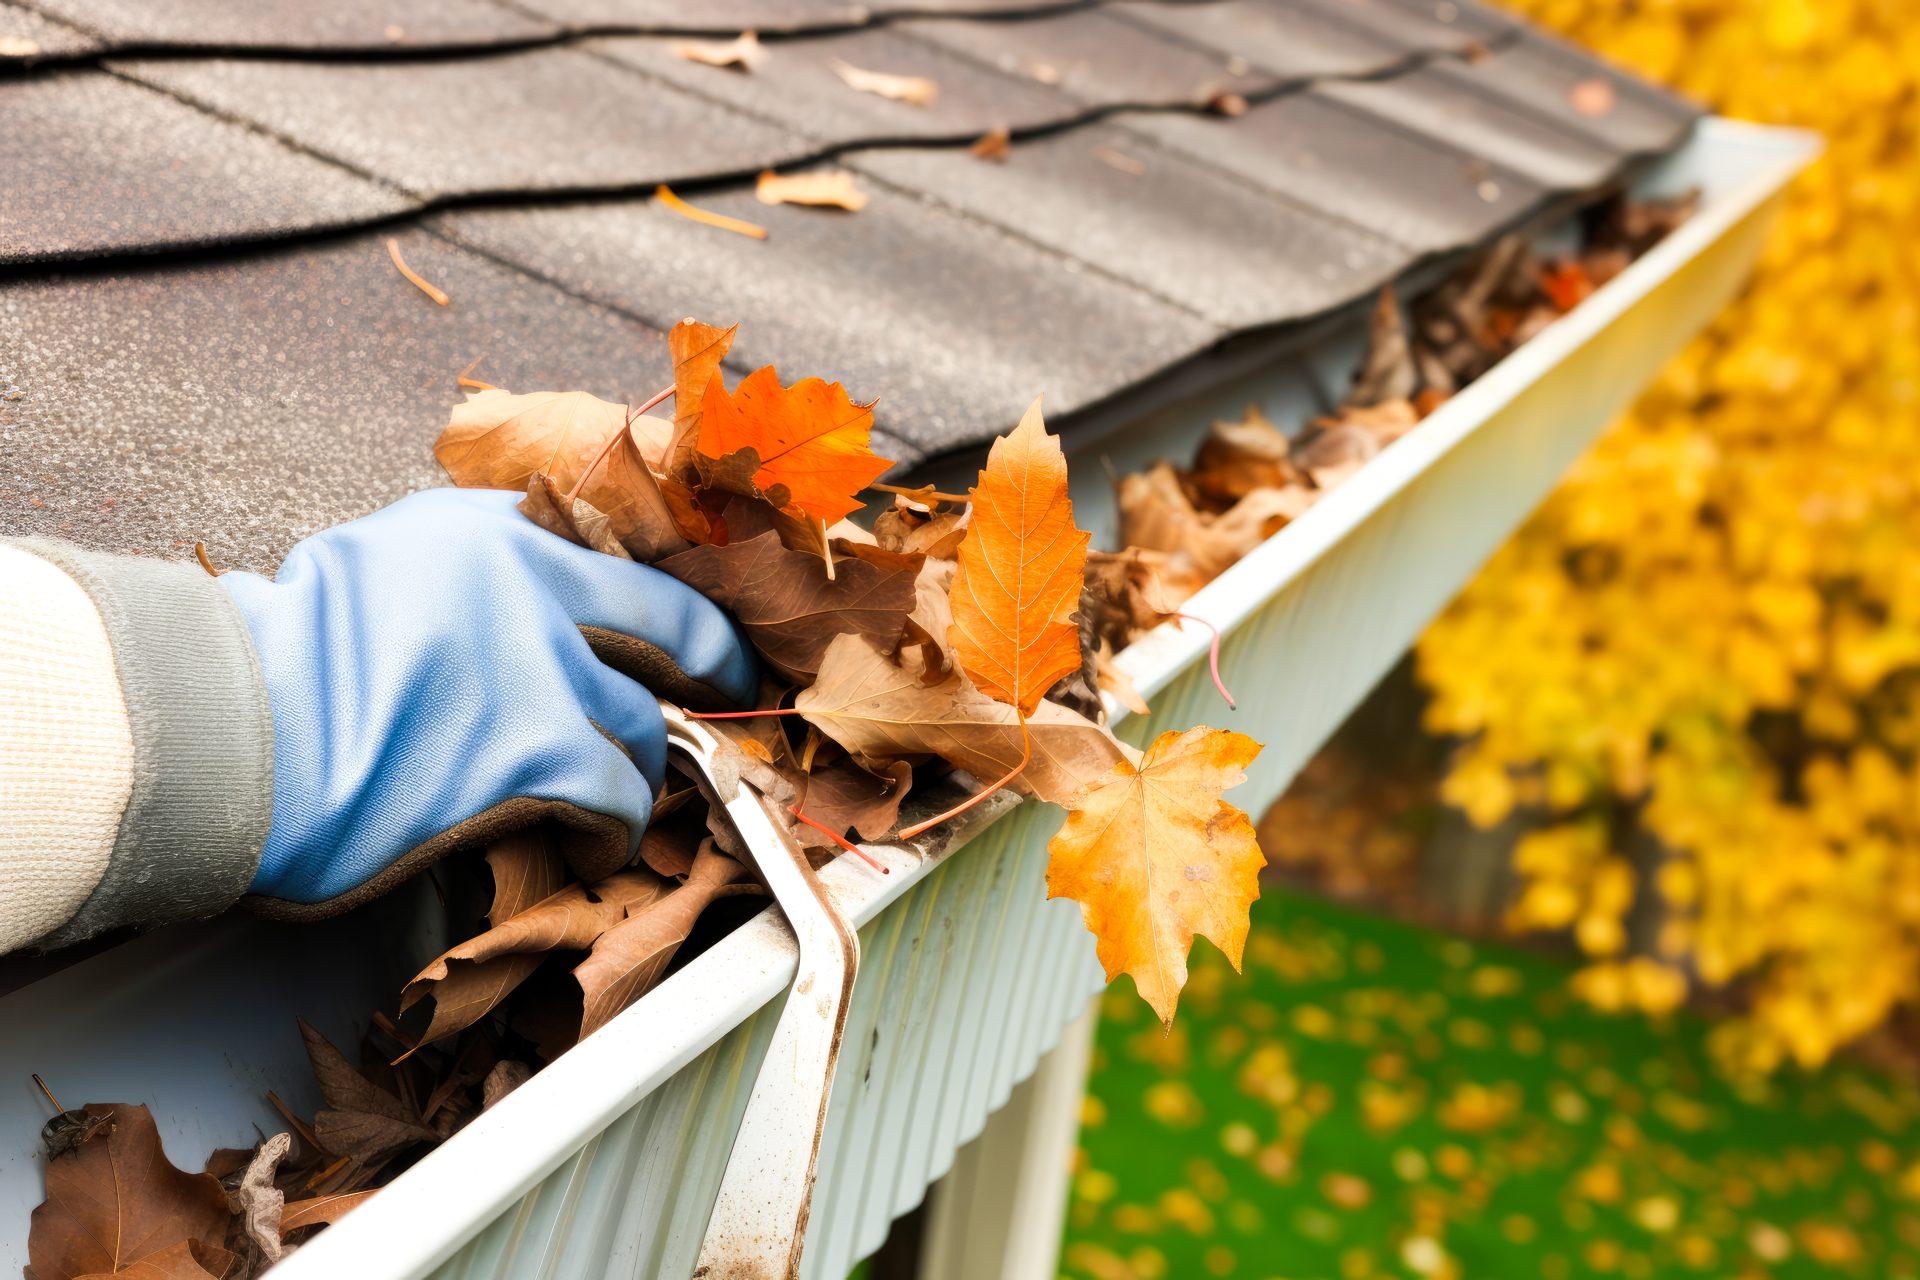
116,1203
810,442
829,187
1044,72
1595,96
916,91
1118,160
706,217
413,277
1155,857
1021,565
743,53
1224,102
18,47
995,144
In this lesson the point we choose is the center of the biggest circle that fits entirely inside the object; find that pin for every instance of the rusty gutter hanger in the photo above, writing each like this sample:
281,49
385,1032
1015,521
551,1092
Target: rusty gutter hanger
758,1228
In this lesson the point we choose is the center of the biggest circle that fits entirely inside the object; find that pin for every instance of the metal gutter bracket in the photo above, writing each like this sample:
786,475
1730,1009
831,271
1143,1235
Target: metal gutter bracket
758,1228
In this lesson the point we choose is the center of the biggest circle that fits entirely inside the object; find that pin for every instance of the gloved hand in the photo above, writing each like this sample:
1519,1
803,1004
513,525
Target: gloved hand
444,671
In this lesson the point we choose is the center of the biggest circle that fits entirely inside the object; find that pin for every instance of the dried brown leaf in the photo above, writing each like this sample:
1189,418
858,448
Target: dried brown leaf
742,53
319,1211
995,144
917,91
846,795
115,1201
790,608
576,520
880,710
828,188
630,958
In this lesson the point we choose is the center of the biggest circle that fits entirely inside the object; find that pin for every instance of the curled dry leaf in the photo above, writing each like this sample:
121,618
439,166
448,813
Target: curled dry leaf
1155,514
810,441
1388,372
1021,565
628,959
831,188
1154,857
575,519
742,53
911,528
1332,456
917,91
789,607
1239,457
498,440
115,1202
881,710
258,1203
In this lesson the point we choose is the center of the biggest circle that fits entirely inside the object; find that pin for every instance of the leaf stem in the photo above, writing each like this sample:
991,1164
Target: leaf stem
43,1088
1213,656
842,841
414,278
916,494
1026,754
740,715
613,439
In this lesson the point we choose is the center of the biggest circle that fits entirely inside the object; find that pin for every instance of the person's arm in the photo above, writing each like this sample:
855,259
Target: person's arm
410,685
136,775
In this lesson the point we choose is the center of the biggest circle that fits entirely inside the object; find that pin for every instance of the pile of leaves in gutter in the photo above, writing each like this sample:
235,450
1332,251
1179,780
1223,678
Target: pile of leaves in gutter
959,635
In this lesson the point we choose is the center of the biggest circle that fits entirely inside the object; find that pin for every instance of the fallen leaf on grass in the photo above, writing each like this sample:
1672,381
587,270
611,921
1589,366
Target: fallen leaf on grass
915,91
790,608
628,959
810,441
1021,566
831,188
880,710
744,52
1154,857
115,1202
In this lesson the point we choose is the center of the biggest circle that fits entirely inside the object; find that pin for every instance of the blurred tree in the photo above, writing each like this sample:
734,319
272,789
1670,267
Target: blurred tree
1711,634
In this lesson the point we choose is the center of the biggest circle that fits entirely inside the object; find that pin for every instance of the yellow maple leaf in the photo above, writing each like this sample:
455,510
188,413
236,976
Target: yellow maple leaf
1154,857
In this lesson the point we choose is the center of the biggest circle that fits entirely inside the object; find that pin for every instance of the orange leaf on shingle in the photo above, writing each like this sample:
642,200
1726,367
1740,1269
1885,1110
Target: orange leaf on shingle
810,440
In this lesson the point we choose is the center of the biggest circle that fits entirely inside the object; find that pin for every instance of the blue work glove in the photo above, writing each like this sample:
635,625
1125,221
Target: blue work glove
444,672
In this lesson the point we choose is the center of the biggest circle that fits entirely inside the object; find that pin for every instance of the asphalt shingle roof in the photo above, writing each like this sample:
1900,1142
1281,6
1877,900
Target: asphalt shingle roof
201,335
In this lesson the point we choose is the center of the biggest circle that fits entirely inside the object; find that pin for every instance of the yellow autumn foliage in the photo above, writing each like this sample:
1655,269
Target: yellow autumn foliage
1712,632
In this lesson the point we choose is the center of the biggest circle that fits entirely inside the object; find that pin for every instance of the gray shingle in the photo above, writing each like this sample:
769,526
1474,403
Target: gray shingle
1409,188
728,16
1095,57
26,36
799,87
298,24
953,325
1412,25
1283,37
252,401
97,165
1433,101
1188,233
1544,79
540,120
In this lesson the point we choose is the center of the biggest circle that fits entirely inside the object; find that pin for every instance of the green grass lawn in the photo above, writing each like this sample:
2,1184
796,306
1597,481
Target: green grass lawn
1371,1099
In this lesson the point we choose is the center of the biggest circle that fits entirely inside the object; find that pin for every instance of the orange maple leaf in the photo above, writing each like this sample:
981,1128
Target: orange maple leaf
1154,856
811,441
697,351
1021,567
